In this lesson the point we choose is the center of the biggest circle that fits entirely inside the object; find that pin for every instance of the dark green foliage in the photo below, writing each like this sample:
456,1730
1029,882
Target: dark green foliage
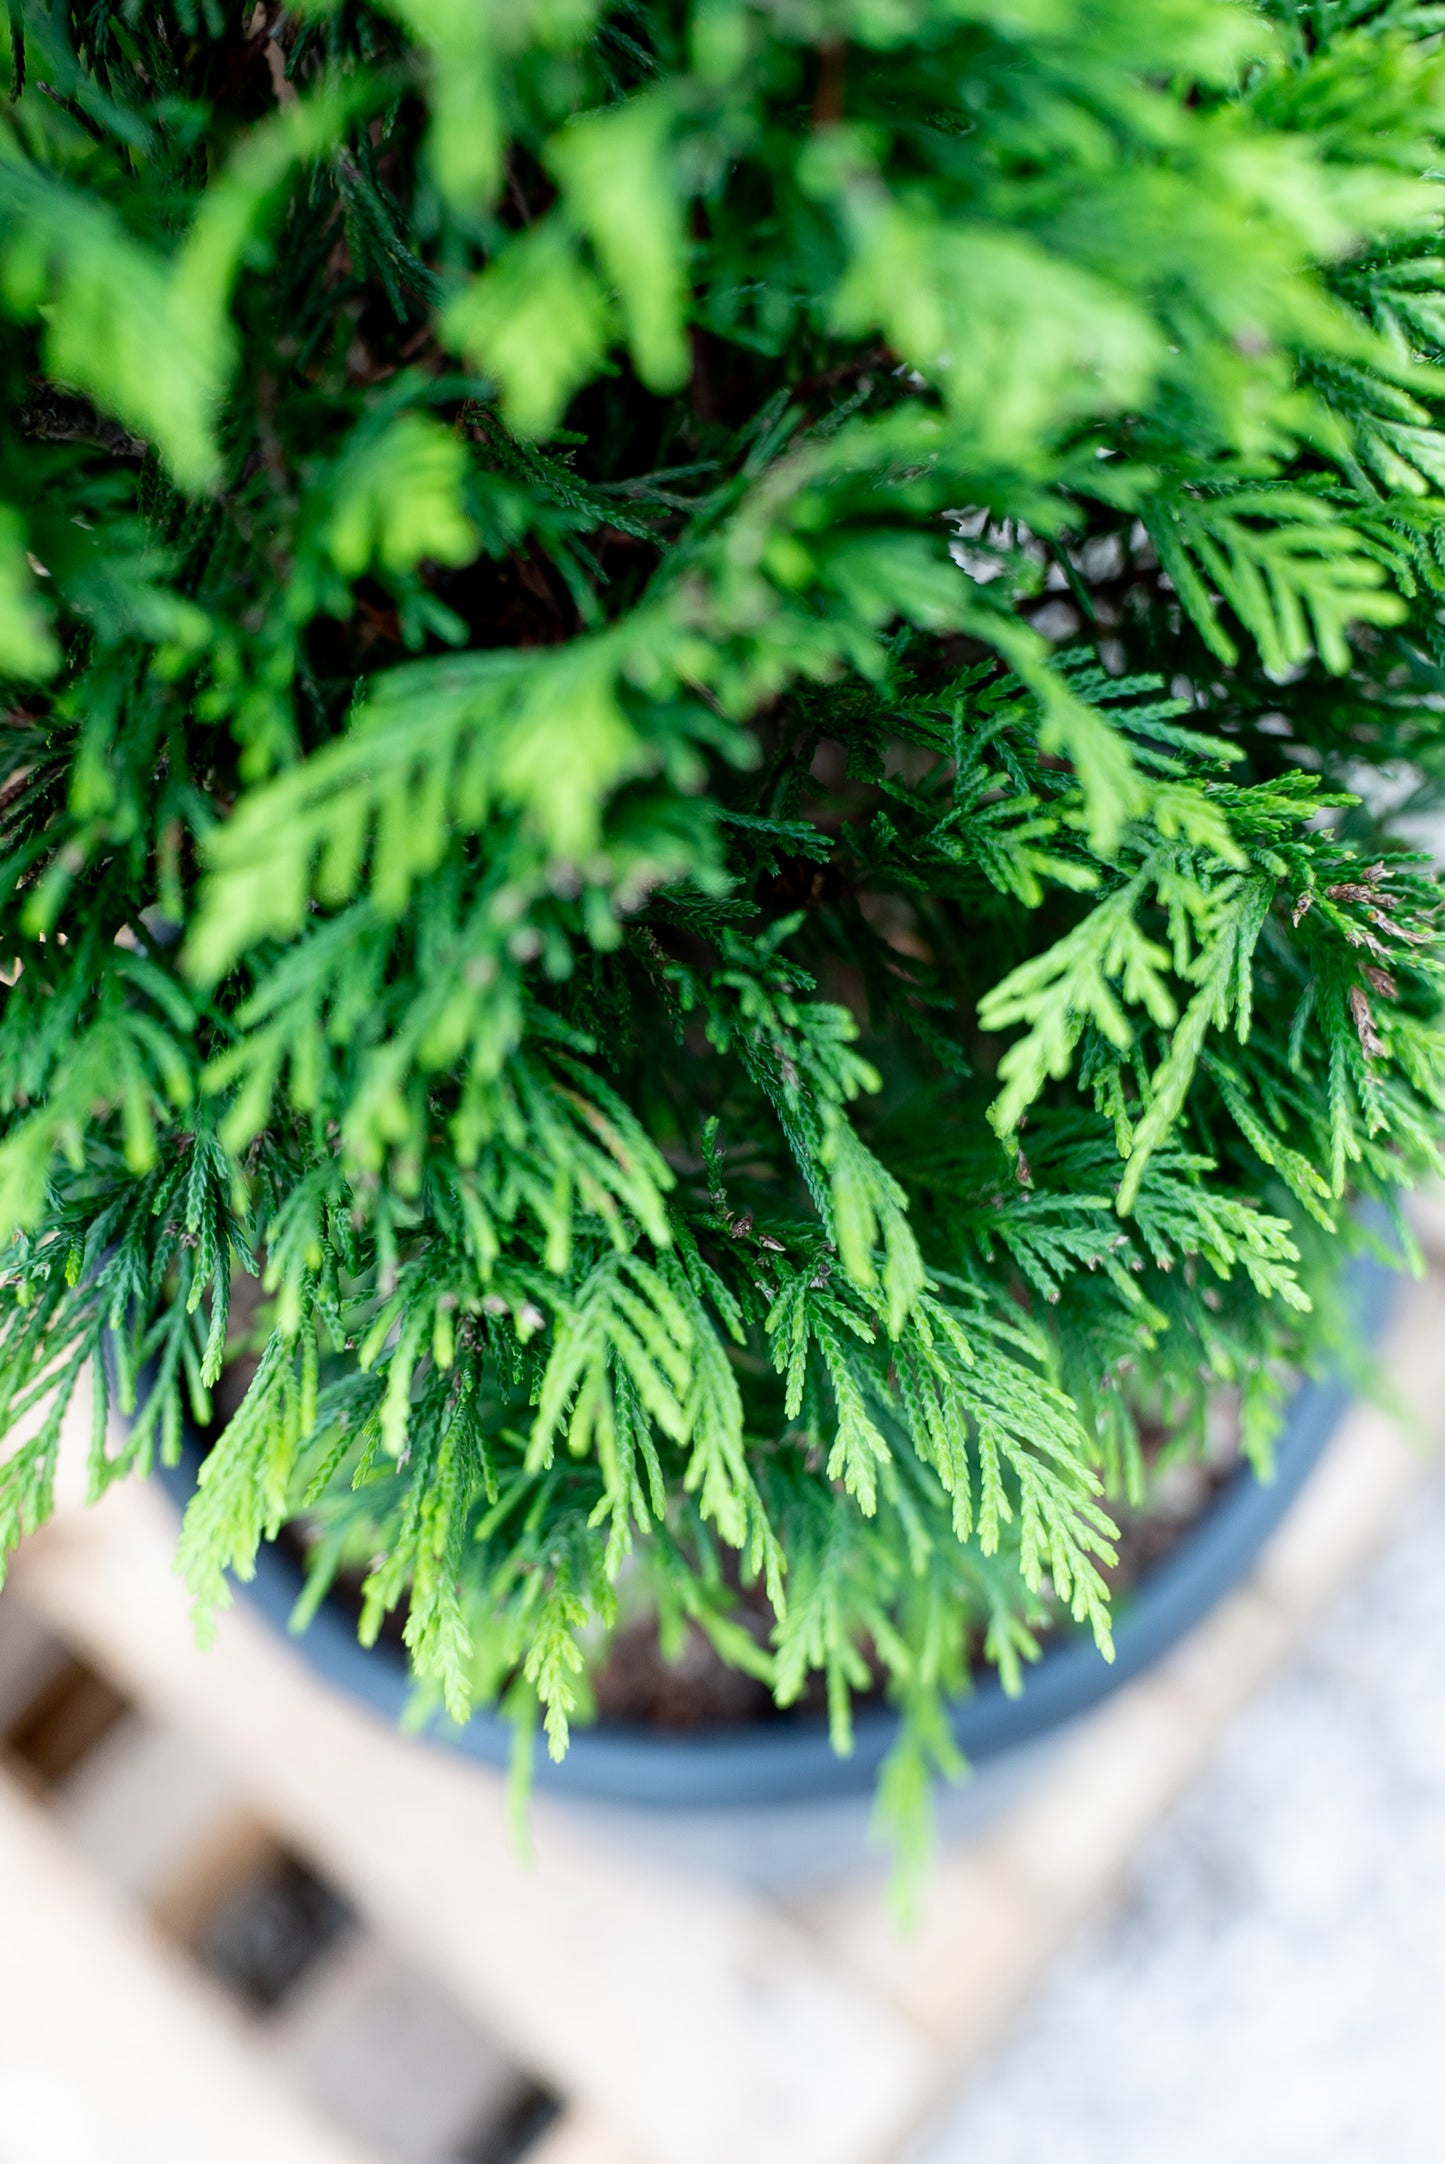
701,707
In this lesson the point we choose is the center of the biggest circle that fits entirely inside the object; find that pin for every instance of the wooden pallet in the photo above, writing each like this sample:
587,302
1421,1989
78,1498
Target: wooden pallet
681,2021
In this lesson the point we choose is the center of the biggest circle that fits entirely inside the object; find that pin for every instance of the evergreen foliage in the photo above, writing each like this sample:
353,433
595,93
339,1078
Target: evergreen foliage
703,709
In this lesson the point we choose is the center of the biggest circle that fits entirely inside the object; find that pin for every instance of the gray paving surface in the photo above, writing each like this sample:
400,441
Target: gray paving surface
1272,1988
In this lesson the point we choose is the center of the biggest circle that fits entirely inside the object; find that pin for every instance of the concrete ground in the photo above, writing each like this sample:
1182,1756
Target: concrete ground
1271,1989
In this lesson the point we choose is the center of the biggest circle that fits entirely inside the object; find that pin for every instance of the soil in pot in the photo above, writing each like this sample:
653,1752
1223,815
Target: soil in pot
695,1690
636,1687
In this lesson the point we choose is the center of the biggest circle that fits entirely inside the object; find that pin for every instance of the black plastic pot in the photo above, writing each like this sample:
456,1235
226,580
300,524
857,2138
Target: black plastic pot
790,1759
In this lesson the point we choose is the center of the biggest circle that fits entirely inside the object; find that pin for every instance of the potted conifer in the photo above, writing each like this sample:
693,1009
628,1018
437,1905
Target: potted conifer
704,710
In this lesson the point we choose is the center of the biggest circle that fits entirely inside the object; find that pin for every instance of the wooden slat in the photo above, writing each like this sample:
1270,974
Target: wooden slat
577,2138
113,2049
695,2020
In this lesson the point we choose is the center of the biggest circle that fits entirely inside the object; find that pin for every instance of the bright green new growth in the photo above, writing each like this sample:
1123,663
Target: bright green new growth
701,706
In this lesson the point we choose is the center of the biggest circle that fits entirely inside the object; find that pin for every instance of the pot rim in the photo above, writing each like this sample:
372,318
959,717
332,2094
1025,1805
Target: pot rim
791,1759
